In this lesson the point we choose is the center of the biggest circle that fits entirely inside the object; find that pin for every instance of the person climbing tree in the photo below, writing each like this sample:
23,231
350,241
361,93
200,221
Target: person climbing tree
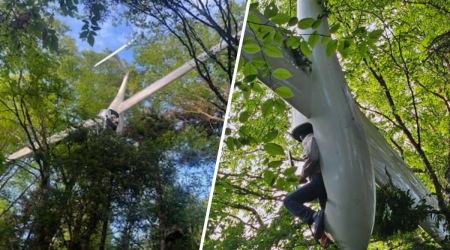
313,189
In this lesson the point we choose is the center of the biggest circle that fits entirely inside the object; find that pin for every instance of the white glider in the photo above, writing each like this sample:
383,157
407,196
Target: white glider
119,104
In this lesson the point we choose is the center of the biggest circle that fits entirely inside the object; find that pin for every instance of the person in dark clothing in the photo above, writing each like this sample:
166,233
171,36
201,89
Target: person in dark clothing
314,187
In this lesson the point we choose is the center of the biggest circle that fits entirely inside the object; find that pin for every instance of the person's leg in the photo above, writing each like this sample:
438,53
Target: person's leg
319,220
295,200
321,191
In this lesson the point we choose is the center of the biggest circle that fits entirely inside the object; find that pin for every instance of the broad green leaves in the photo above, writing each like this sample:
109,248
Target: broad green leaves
331,47
284,92
306,23
251,48
281,74
274,149
280,18
272,51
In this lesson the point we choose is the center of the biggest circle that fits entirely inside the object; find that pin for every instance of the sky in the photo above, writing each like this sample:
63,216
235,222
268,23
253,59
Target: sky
108,37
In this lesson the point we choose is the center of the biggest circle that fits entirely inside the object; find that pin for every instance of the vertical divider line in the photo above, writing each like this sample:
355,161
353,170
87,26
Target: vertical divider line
219,154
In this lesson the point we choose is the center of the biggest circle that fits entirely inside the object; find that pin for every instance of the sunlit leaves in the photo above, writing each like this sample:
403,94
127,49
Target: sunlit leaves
325,40
335,28
305,48
278,38
244,116
284,92
252,18
267,107
271,10
253,6
281,74
275,164
280,18
375,34
280,106
258,62
313,39
331,47
293,42
251,48
270,136
272,51
273,149
293,21
250,70
316,24
269,177
306,23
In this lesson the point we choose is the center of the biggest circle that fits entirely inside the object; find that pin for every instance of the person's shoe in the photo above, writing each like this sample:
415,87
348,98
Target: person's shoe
324,241
319,226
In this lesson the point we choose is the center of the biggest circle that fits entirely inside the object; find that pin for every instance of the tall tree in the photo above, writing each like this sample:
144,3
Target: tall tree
394,58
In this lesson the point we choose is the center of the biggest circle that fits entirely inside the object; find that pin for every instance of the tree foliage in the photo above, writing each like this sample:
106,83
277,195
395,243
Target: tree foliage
395,59
95,189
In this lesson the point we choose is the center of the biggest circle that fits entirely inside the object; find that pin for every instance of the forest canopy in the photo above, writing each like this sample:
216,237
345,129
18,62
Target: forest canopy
95,189
395,58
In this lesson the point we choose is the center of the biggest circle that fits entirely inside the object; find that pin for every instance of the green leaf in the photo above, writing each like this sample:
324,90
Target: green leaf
280,18
363,49
267,107
253,6
273,149
275,164
293,21
316,24
284,92
258,62
331,47
375,34
252,18
270,136
280,106
278,38
293,42
230,144
281,74
250,78
269,177
250,70
268,37
280,184
359,31
271,10
241,63
251,48
272,51
290,171
326,39
91,40
256,87
265,72
227,131
306,23
305,49
342,49
84,34
244,116
313,39
292,179
335,28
